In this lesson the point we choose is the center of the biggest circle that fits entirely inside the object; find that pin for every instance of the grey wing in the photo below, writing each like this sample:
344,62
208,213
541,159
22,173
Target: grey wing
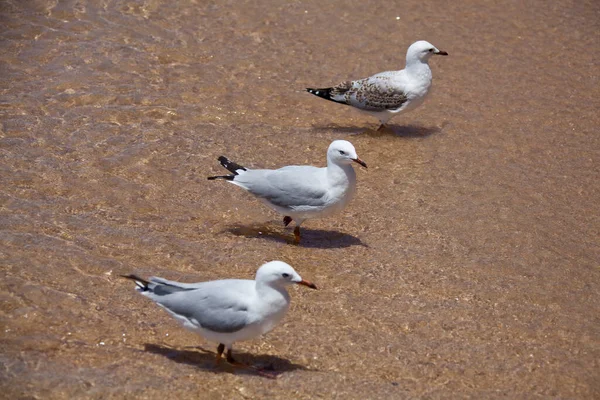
376,93
216,311
288,187
182,286
161,287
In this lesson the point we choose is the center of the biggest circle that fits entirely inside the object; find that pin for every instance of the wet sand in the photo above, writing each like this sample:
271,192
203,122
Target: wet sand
467,266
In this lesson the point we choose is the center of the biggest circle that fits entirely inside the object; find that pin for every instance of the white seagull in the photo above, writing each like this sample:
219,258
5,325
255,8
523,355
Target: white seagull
389,93
229,310
301,192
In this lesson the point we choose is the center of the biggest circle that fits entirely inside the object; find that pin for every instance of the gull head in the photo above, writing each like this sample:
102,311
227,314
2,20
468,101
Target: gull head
280,274
421,51
341,152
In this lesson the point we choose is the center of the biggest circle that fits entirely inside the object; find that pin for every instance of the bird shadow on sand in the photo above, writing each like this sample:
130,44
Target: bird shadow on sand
400,131
406,131
204,359
310,238
353,130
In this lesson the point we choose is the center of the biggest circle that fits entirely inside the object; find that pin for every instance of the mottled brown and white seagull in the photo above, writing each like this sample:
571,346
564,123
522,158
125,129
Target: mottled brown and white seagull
387,94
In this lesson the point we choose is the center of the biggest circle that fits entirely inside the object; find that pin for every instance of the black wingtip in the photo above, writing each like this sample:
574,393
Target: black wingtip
231,166
141,283
324,93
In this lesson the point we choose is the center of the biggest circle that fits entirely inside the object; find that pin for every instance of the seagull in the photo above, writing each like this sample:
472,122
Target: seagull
389,93
301,192
228,310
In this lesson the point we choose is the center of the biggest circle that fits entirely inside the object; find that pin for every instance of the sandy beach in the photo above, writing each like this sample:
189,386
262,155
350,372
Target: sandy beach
466,266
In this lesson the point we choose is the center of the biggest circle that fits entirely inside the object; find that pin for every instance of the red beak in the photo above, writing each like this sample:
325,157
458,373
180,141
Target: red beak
307,283
359,161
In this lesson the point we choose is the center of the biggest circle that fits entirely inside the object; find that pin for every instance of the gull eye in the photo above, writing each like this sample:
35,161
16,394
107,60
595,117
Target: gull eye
342,152
431,50
285,275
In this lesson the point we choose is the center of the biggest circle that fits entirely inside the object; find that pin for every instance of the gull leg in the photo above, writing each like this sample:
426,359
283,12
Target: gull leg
287,220
229,357
220,350
232,360
381,127
297,234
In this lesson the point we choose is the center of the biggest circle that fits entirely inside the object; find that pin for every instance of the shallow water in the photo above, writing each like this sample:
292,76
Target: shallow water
466,266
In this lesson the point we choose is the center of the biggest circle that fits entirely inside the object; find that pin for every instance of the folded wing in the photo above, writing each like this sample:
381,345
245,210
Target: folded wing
211,305
289,187
376,93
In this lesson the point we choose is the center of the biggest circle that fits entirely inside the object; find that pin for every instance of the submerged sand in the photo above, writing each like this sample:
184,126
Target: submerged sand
468,264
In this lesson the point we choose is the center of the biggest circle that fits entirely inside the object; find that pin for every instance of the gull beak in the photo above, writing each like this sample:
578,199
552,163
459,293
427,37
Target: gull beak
440,53
307,283
359,161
